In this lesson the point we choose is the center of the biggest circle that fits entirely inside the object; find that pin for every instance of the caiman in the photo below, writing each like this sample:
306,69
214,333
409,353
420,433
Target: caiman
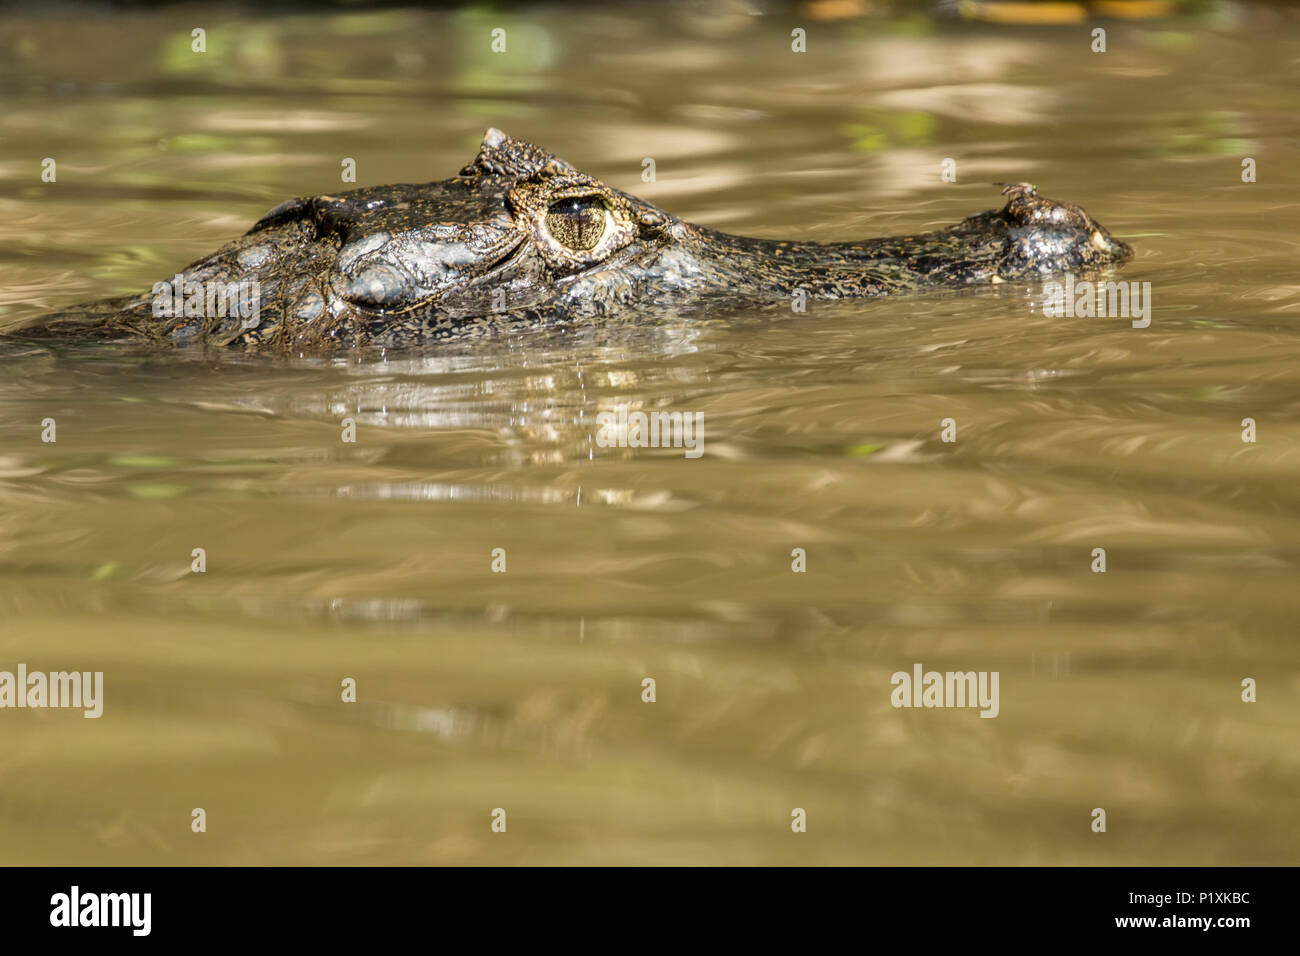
521,236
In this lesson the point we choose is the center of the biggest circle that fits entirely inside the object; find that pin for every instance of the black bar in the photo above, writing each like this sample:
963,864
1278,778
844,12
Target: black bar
981,906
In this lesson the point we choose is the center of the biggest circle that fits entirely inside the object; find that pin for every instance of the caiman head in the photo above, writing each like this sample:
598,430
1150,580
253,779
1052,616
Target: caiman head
523,236
519,233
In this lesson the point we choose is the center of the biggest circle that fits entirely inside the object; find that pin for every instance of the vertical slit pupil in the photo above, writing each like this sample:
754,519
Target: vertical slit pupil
578,223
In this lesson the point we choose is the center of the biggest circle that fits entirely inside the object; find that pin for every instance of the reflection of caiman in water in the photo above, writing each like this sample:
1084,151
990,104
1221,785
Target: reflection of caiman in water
521,236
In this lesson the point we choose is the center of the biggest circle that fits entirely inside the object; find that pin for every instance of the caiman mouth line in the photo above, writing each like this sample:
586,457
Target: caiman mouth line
521,236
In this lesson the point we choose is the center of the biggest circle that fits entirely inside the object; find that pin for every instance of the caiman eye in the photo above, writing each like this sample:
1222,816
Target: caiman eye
578,223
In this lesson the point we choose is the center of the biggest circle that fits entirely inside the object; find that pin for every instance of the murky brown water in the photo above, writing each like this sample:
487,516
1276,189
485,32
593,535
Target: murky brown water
522,690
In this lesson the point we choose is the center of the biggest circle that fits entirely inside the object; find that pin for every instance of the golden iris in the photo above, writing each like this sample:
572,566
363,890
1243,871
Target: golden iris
578,223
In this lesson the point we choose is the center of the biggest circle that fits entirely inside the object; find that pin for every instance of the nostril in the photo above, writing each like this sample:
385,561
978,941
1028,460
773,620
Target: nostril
1029,209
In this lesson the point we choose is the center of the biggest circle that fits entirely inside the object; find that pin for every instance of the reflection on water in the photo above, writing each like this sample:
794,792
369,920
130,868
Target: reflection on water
372,559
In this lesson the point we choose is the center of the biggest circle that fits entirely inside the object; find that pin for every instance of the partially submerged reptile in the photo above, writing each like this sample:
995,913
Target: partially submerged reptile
522,236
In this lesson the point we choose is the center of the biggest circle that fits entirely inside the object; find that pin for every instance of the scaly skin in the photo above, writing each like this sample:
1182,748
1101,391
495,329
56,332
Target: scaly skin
521,236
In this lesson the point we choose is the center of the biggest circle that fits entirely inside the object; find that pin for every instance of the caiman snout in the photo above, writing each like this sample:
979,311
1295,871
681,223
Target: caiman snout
1052,236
